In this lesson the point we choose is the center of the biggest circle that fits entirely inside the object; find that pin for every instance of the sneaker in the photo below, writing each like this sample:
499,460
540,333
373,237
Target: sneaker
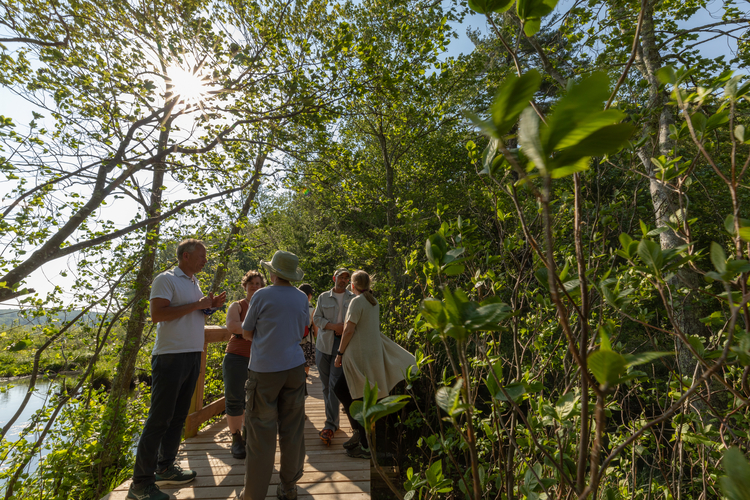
326,435
149,492
358,452
174,475
353,441
289,493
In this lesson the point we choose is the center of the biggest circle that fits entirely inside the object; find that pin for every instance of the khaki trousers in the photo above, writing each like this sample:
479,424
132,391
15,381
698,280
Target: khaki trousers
275,400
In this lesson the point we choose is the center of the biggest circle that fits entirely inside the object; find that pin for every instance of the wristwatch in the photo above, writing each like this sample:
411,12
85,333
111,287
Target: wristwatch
340,353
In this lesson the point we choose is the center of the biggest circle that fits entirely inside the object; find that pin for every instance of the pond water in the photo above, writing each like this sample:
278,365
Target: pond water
11,396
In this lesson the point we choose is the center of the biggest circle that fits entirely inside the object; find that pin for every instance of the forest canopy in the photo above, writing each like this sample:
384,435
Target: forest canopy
556,221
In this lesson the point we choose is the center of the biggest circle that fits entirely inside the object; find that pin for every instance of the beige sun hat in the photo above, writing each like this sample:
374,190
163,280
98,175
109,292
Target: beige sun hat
284,265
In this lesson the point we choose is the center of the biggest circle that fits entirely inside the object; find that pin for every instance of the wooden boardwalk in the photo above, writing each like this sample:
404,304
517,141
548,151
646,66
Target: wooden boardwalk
329,473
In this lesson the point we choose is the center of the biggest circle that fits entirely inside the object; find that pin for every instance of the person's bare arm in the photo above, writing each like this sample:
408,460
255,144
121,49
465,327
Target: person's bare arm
247,334
162,311
346,337
338,328
234,323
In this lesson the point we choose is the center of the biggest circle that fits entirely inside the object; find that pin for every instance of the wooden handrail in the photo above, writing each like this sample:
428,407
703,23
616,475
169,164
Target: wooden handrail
198,412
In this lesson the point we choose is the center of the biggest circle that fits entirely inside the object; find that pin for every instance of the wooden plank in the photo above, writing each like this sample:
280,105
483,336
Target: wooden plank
215,333
328,473
312,442
308,478
226,459
230,492
328,467
194,420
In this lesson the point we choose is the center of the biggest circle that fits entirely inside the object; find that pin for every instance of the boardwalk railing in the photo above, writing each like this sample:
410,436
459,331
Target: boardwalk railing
198,412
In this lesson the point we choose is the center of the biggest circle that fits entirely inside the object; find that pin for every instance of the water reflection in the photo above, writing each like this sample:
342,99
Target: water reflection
11,397
12,394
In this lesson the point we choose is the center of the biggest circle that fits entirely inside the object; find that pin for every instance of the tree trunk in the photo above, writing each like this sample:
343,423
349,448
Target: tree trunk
664,196
390,214
111,433
230,247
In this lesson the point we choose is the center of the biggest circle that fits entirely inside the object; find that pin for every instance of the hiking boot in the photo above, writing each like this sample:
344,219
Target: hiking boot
174,475
358,452
289,493
353,441
238,446
148,492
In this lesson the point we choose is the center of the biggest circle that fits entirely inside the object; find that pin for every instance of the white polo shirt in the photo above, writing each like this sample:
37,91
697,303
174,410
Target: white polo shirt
184,334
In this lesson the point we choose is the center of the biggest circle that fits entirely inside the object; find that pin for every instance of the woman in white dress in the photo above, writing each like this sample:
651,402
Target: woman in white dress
365,353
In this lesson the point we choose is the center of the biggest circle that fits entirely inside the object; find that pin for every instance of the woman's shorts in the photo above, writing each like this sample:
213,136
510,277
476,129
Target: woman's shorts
234,368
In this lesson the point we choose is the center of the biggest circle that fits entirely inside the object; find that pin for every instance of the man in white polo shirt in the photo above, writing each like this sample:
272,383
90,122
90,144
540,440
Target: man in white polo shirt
178,307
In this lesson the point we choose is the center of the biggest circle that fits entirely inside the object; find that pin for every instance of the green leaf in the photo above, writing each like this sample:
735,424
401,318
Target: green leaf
607,366
514,390
436,247
492,386
589,125
628,246
736,484
531,13
745,233
487,127
487,6
528,138
448,398
729,224
699,123
739,133
666,75
697,344
488,316
717,120
718,258
566,405
435,473
650,253
454,269
644,357
582,104
604,331
560,172
512,98
433,312
606,140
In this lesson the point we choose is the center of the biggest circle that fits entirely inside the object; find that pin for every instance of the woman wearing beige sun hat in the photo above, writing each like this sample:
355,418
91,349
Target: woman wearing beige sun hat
275,322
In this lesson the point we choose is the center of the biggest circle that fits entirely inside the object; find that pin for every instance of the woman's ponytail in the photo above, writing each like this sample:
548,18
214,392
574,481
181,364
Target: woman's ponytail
361,281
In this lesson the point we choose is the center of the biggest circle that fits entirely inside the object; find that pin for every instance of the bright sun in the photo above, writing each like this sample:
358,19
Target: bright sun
191,87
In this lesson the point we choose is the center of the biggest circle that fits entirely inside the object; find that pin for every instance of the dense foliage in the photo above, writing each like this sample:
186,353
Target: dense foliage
557,224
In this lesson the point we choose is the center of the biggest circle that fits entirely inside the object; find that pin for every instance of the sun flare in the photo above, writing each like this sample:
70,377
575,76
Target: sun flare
191,87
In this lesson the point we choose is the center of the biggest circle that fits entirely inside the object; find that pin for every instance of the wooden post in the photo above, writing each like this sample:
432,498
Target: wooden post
199,413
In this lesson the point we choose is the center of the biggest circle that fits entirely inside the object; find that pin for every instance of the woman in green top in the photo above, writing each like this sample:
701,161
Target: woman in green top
366,354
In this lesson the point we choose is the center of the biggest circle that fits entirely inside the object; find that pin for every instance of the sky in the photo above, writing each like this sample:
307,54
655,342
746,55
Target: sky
45,278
